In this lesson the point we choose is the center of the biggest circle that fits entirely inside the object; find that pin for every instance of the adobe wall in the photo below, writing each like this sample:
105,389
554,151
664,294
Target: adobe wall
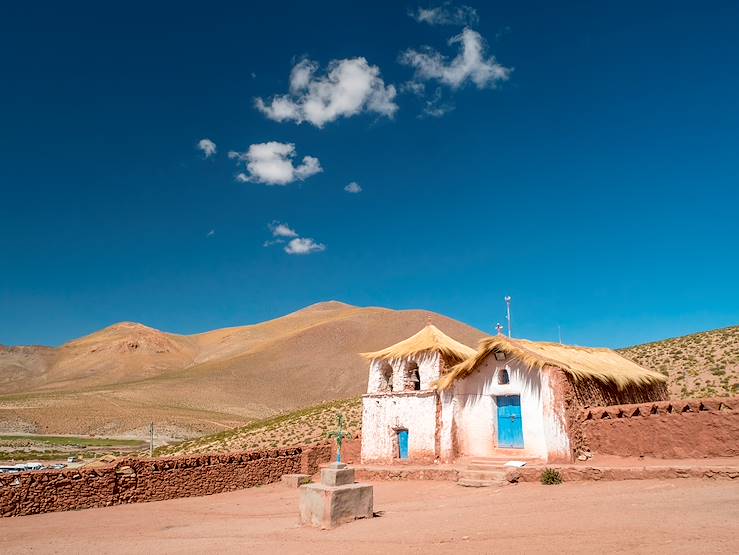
384,414
696,428
573,396
142,480
351,450
469,412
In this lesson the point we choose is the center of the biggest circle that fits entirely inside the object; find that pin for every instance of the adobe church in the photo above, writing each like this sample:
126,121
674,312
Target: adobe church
431,398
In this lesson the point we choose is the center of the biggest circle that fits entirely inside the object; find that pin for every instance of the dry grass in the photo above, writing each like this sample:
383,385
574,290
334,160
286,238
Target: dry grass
699,365
581,363
302,427
429,339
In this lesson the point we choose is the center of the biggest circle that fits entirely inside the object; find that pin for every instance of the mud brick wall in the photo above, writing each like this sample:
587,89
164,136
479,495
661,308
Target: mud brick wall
351,451
314,456
142,480
695,428
573,396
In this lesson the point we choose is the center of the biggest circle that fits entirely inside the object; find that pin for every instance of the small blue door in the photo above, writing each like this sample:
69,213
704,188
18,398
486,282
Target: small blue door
403,444
510,428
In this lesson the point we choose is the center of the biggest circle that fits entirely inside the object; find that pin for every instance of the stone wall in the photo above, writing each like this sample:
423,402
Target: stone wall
351,450
142,480
696,428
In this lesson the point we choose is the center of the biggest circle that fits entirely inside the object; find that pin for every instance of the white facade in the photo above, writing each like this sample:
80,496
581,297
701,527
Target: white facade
470,413
461,421
410,405
388,414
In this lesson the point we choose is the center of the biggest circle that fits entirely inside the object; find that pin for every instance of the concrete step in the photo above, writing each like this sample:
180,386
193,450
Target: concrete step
498,462
497,475
502,458
488,467
470,483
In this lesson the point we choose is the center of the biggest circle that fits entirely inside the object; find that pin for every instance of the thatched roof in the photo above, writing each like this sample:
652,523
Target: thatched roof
431,339
582,363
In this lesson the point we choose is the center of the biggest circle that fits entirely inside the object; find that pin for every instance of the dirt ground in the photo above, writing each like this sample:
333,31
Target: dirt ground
670,516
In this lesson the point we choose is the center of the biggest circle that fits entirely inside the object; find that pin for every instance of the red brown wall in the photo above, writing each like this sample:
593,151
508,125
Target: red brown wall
351,450
696,428
136,481
572,396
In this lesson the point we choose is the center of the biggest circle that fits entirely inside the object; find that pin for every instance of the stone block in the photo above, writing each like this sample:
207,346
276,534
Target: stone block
293,481
332,476
329,506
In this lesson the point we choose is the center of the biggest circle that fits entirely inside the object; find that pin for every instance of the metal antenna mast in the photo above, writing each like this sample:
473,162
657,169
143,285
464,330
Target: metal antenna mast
508,312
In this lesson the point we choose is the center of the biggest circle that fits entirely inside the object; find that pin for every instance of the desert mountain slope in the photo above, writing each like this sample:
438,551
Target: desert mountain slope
117,380
699,365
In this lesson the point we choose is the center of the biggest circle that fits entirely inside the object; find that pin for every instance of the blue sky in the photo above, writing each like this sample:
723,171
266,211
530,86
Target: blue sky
584,163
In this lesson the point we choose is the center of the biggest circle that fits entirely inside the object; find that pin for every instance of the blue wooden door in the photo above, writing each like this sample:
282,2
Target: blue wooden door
403,444
510,428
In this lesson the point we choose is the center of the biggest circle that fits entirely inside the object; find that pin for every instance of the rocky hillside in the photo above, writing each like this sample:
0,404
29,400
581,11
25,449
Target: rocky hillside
699,365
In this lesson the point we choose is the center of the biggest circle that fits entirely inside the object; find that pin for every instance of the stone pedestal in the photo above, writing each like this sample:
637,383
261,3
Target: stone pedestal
336,500
295,480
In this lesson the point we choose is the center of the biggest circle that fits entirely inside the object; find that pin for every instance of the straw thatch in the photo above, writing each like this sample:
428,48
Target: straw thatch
582,363
430,339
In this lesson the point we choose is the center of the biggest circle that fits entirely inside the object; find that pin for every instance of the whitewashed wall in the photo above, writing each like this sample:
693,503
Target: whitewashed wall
472,406
428,371
383,414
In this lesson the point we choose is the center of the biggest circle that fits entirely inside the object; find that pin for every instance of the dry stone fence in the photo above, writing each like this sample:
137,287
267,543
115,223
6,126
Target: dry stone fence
142,480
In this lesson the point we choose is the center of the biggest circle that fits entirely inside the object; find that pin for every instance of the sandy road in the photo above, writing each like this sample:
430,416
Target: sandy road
671,516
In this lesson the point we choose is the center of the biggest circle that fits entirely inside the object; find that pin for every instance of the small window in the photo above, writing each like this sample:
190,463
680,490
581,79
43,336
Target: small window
386,378
503,377
413,377
416,381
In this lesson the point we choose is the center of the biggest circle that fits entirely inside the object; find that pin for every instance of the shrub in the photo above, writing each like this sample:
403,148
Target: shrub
551,477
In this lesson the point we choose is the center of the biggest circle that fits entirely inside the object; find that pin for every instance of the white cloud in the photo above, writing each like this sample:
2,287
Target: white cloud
281,230
469,65
435,107
349,87
295,245
207,146
353,187
303,245
413,87
446,14
272,163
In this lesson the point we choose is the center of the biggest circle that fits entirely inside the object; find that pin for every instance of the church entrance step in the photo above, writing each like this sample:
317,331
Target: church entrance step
490,463
498,475
470,483
480,466
482,478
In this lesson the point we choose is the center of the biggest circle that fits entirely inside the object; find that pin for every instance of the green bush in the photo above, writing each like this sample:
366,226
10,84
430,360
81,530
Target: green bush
551,477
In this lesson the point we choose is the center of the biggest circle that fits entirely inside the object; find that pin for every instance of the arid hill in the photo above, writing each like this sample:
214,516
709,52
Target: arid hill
115,381
699,365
